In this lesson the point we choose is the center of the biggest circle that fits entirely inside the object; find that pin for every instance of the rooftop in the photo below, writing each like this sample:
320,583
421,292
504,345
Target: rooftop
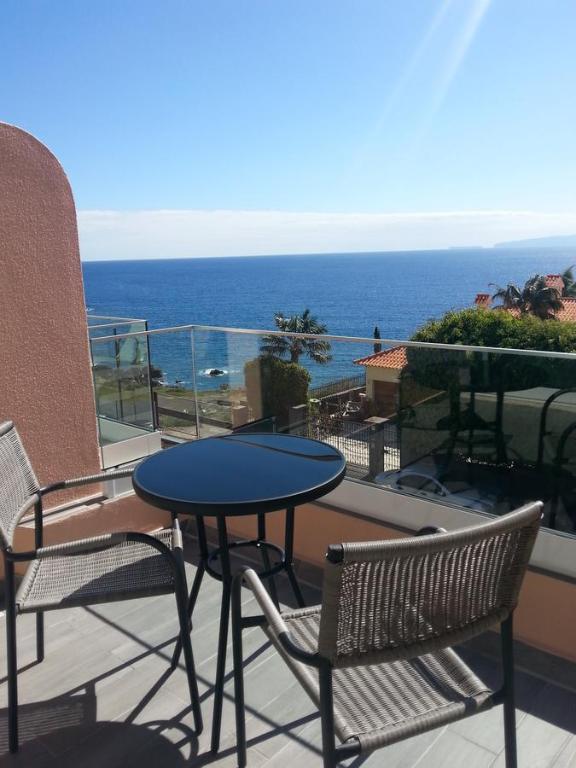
104,696
390,358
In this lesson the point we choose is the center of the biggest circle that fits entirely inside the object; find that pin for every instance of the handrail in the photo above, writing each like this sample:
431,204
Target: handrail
115,325
348,339
89,315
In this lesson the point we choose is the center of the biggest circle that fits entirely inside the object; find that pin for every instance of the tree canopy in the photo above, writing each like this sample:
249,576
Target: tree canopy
493,328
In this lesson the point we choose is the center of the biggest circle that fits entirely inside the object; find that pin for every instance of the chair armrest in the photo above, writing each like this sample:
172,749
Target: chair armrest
273,617
177,541
80,546
105,541
249,577
78,481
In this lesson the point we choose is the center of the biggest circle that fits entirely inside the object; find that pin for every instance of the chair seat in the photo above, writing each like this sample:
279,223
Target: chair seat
382,703
126,570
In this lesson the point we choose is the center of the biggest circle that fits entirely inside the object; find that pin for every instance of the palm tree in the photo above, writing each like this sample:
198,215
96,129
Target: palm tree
569,288
509,296
535,298
294,346
539,299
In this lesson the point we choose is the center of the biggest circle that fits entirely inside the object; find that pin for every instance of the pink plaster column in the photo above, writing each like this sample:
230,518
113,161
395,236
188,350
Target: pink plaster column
45,376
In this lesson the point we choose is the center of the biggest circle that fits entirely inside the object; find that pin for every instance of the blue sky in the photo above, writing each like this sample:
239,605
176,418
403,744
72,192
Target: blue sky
349,111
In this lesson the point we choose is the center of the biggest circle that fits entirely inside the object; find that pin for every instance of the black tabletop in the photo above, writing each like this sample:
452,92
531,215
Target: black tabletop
239,474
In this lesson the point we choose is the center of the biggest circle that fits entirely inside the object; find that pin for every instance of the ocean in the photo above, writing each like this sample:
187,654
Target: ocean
349,293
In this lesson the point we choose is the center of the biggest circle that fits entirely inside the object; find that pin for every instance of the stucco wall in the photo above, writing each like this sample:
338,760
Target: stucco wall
45,377
379,374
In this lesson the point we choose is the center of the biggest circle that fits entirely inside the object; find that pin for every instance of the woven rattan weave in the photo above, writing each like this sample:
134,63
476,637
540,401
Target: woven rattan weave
400,598
126,570
18,483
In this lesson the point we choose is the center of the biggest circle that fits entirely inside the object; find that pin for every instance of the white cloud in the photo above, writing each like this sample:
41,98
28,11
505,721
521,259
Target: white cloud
150,234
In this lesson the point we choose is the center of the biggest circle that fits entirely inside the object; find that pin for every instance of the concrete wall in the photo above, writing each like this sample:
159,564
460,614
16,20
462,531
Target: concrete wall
45,376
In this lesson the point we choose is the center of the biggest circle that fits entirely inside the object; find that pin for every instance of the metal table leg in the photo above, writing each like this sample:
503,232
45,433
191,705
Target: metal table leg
195,584
266,559
223,634
289,550
226,577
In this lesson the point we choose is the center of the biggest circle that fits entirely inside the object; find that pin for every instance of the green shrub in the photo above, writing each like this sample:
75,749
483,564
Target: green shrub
496,328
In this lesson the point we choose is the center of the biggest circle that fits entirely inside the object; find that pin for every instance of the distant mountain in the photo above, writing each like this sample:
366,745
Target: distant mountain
558,241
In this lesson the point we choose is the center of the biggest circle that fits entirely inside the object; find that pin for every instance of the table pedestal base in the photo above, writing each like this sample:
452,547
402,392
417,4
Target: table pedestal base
225,575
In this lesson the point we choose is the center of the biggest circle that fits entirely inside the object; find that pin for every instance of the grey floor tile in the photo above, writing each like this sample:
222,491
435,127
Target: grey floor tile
451,750
546,730
567,757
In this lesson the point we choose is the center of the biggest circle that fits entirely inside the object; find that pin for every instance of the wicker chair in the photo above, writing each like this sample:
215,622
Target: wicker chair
116,566
375,656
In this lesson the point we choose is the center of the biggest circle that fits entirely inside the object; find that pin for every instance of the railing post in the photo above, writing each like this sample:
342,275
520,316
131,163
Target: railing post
376,449
298,419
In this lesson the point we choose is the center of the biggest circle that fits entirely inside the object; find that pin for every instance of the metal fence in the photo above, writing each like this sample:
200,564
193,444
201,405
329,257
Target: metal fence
374,447
338,387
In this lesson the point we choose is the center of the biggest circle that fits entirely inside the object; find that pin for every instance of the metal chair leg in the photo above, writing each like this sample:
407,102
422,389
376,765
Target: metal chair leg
223,634
327,716
40,636
12,662
188,655
38,542
238,672
509,703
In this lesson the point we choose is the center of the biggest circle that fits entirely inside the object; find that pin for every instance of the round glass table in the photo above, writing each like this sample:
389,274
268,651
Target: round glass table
232,475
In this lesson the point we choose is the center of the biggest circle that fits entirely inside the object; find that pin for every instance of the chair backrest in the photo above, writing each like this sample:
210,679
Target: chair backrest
18,483
405,597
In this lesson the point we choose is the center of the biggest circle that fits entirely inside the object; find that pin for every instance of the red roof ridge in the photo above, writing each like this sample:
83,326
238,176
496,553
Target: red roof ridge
395,358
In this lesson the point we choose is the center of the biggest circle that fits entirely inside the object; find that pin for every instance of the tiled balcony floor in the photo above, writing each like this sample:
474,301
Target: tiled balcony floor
104,697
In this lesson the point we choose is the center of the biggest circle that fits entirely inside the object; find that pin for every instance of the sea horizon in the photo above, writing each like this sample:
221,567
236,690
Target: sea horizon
512,249
349,293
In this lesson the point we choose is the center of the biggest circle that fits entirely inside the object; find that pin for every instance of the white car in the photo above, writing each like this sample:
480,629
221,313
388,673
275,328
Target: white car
423,484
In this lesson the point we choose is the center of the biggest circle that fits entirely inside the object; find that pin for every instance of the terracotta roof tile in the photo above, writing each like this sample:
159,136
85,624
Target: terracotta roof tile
568,311
389,358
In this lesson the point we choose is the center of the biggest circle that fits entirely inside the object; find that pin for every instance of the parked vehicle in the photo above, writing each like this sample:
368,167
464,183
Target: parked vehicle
421,483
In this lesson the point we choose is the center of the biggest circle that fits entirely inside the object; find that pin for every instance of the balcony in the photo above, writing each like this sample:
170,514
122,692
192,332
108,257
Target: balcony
437,435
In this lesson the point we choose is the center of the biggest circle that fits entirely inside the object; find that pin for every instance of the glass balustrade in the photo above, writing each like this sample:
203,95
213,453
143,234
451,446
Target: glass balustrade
470,428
